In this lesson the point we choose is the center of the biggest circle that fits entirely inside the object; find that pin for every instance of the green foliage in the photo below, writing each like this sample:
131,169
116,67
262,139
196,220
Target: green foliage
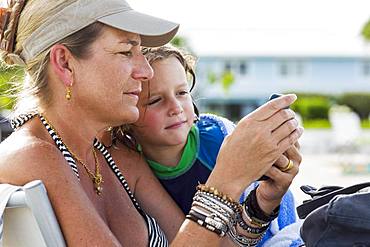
227,79
7,75
358,102
182,43
312,107
178,41
317,124
366,31
212,77
365,124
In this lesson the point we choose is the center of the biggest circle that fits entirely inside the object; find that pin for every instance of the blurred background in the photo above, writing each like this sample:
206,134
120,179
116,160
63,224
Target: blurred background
248,49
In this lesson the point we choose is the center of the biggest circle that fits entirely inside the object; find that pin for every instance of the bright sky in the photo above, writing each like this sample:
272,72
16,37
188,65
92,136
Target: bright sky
295,26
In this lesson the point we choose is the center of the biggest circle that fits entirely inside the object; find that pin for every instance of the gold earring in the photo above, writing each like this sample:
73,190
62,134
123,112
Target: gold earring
68,93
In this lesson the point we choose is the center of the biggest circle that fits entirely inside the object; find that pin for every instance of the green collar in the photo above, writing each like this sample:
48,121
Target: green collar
187,159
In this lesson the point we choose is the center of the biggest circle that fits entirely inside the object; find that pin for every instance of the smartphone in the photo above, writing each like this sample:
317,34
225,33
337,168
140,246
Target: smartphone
273,96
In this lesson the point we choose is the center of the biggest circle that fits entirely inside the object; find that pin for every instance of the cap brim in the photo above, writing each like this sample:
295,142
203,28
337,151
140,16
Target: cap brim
153,31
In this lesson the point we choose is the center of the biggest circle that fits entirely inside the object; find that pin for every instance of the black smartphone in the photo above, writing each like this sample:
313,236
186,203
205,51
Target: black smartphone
273,96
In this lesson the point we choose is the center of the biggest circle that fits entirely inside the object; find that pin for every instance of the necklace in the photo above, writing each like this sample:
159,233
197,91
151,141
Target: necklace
96,177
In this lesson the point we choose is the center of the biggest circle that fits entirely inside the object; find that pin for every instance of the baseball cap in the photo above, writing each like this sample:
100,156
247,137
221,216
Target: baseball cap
81,13
344,221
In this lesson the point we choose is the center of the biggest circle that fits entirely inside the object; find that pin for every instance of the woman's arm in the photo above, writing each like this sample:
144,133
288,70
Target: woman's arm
257,142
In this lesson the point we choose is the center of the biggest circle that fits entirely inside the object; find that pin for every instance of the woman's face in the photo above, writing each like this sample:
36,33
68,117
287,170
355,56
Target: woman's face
165,106
107,84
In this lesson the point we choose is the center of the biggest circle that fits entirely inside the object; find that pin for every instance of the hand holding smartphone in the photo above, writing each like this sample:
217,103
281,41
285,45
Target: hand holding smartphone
273,96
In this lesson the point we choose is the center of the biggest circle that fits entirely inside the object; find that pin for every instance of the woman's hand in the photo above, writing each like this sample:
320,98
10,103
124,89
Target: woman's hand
257,142
271,191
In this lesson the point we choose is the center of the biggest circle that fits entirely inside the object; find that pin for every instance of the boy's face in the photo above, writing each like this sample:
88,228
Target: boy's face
166,112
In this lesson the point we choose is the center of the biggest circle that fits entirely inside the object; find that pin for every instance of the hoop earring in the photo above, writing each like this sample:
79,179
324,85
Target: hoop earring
68,93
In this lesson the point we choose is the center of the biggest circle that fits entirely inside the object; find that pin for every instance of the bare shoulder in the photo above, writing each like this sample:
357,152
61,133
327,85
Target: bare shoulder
24,158
131,163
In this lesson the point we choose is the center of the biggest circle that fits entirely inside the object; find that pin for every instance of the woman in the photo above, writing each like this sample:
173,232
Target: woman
83,68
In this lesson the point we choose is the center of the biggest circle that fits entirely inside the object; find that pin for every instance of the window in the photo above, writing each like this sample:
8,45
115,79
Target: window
291,68
227,66
243,68
366,68
284,69
299,68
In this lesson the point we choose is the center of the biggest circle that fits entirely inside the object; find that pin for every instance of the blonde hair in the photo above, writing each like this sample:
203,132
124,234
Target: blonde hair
186,60
34,93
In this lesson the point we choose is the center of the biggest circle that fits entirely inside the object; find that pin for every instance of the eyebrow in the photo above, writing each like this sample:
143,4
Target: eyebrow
155,93
130,42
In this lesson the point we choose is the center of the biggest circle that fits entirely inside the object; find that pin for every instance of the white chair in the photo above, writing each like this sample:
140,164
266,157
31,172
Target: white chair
29,219
346,129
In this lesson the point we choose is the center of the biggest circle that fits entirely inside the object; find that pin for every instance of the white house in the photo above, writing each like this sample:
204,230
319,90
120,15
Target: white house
264,62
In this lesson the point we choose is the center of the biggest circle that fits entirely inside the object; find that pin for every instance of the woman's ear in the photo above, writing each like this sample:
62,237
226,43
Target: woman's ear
60,60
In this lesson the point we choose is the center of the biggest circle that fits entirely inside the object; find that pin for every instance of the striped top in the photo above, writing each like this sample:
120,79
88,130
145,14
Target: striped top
156,236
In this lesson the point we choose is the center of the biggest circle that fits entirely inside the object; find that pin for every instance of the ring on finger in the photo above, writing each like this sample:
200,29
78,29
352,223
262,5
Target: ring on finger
288,166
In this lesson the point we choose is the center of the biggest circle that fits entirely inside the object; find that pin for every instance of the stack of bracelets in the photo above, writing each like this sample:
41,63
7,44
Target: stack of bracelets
221,215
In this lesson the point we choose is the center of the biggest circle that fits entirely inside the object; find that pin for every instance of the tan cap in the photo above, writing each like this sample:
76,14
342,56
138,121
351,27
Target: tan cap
81,13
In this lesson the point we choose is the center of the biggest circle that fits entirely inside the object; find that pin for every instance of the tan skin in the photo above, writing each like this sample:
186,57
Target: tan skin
87,219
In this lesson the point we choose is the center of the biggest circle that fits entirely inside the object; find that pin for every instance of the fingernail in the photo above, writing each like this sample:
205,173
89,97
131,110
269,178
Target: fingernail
292,96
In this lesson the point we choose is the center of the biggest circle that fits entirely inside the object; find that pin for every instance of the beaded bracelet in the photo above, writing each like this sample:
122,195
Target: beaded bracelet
213,210
250,229
211,222
213,191
254,213
241,240
204,197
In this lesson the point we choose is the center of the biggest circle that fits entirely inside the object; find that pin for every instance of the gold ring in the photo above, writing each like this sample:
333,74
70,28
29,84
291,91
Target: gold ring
288,166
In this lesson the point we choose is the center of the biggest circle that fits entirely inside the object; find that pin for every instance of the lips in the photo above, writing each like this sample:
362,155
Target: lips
134,93
176,125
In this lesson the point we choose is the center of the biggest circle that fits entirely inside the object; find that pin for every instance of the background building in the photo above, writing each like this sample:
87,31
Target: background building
269,62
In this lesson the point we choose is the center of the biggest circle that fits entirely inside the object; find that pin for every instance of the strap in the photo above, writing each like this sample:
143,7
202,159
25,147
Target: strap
61,146
320,198
117,172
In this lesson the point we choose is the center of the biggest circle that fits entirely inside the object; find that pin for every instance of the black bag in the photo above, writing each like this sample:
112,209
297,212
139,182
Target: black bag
336,216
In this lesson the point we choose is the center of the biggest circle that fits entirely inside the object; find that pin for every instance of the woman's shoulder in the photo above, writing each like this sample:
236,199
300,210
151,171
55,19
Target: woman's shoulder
25,157
130,162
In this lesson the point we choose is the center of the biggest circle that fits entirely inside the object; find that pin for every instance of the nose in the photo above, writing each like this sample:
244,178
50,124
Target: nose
142,71
175,108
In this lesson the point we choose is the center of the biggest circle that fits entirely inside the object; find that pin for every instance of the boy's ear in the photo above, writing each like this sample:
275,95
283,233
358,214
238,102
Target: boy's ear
61,62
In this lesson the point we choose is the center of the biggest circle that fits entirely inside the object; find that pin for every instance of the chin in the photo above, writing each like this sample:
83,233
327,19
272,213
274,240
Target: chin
178,140
129,116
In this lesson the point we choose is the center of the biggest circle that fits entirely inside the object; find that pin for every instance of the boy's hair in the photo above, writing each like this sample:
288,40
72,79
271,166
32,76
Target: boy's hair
186,60
122,133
